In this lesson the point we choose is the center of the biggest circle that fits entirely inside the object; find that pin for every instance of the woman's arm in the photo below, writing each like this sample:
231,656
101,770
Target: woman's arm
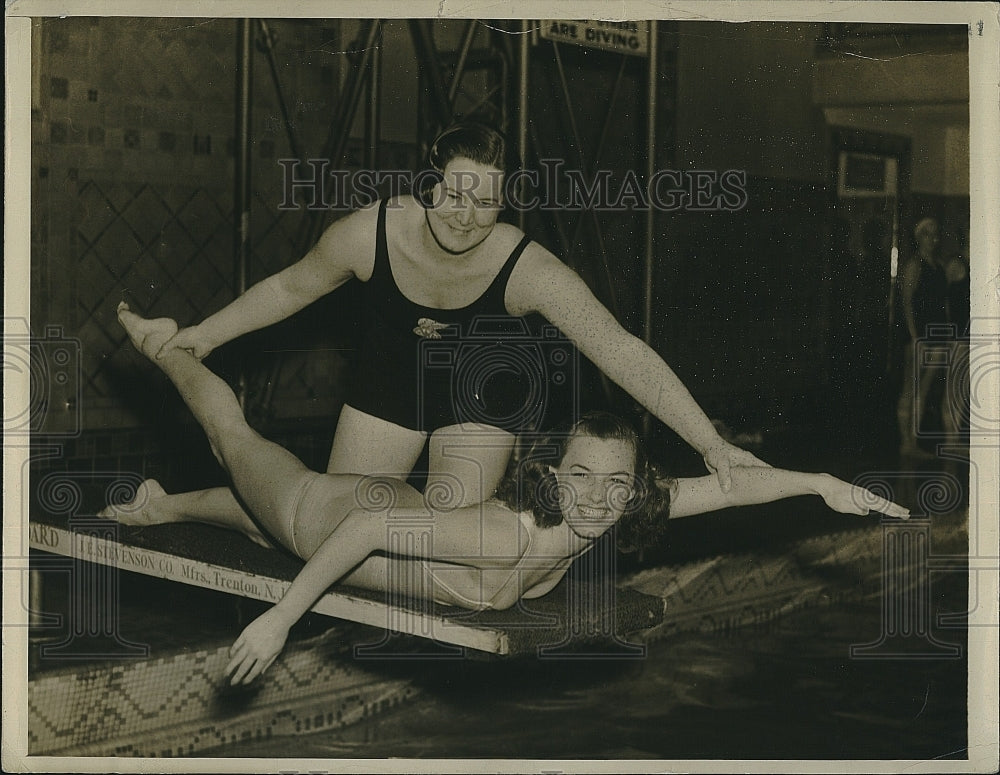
763,485
543,284
263,639
472,536
331,262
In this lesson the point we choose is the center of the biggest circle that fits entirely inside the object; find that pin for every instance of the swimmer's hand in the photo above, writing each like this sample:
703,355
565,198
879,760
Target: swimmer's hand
191,339
258,646
851,499
721,457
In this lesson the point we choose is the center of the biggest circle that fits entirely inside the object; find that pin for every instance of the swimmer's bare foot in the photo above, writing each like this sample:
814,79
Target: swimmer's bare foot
152,505
147,334
141,510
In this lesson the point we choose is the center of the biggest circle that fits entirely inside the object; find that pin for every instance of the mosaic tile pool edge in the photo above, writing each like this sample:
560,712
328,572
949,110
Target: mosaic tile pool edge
181,704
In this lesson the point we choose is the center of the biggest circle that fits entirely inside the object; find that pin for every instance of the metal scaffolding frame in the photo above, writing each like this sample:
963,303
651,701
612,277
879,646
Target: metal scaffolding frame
529,141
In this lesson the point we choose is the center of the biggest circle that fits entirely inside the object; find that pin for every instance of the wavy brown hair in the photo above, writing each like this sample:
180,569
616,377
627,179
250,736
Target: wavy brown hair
528,484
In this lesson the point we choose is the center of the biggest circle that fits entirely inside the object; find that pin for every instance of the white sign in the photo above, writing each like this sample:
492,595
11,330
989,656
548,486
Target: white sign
628,37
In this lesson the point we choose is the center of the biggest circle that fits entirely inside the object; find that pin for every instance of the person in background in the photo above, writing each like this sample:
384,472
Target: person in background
955,404
931,289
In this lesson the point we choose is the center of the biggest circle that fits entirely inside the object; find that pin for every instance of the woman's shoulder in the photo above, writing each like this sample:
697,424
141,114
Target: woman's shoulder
499,505
910,268
955,269
508,231
398,203
403,215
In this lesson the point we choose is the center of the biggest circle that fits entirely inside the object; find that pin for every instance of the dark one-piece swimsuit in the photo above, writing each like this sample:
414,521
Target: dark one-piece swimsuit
425,368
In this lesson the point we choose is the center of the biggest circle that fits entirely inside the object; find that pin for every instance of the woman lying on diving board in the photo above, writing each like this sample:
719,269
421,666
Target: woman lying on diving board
562,495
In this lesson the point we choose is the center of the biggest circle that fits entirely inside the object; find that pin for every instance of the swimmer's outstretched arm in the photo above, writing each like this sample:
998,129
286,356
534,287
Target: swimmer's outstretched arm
763,485
543,284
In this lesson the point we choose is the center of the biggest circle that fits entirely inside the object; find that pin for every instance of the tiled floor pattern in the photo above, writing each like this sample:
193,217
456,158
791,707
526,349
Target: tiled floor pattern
181,704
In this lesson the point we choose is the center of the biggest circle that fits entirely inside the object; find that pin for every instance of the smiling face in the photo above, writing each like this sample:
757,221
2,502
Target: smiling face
465,205
595,480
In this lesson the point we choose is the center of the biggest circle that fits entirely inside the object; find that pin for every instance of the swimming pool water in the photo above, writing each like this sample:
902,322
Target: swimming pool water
790,690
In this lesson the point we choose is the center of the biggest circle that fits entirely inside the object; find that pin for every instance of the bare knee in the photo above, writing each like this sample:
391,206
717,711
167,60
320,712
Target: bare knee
368,445
466,465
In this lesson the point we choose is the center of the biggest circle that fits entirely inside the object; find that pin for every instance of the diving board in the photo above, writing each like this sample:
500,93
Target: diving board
218,559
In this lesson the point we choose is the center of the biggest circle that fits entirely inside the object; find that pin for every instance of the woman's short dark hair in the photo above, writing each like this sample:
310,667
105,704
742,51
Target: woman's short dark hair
471,140
529,485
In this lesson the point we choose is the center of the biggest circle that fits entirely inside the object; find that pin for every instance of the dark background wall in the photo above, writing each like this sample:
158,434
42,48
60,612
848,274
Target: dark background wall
769,295
745,99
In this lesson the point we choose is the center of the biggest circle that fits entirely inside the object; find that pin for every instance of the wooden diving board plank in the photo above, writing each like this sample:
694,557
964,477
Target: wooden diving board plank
221,560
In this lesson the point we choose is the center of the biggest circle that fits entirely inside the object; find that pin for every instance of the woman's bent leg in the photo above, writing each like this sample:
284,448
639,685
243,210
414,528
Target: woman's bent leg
466,464
368,445
956,400
908,406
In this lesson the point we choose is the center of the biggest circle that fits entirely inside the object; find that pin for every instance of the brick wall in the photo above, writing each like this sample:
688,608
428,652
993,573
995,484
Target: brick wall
132,184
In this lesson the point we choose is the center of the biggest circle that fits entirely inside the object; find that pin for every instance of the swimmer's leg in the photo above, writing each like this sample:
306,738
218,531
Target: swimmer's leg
152,505
364,444
268,478
954,402
466,464
915,386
